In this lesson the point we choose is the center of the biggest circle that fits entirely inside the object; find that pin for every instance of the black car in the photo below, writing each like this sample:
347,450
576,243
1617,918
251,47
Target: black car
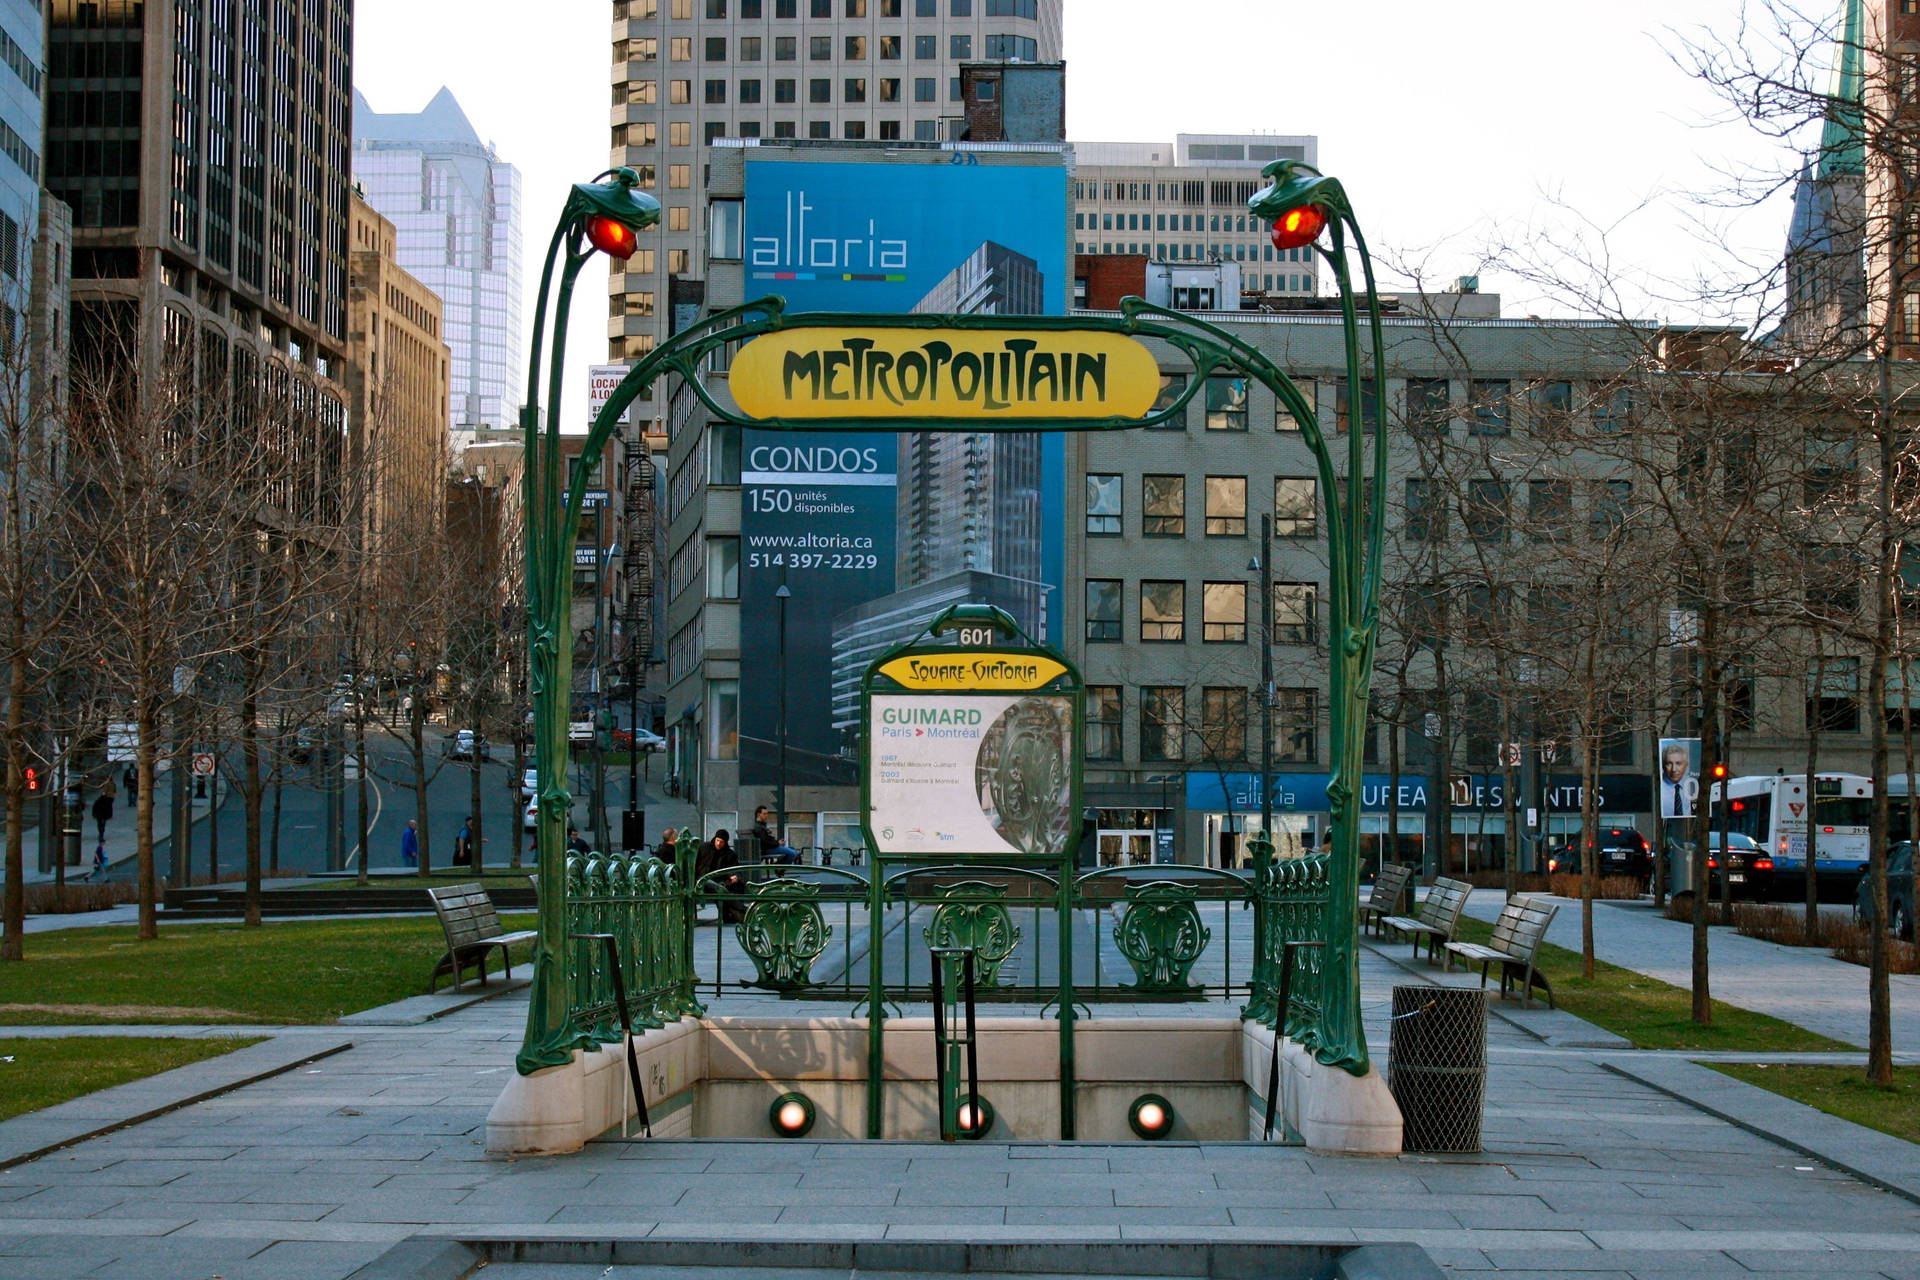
1748,867
1899,892
1624,852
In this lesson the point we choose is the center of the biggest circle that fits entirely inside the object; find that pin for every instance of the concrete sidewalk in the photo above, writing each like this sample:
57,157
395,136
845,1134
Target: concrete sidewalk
1802,985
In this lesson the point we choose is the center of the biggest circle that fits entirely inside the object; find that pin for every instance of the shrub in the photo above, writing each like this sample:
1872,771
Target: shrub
1850,940
1568,886
1523,882
50,899
1680,907
1784,925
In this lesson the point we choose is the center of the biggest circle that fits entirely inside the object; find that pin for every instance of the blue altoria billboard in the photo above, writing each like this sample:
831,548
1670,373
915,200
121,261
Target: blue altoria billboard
872,533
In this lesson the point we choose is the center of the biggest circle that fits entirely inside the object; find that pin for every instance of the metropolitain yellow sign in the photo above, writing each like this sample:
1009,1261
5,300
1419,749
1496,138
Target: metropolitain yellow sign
983,672
944,373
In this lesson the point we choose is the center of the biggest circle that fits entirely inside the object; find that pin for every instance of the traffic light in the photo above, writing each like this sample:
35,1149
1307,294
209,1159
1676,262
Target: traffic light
36,784
1719,773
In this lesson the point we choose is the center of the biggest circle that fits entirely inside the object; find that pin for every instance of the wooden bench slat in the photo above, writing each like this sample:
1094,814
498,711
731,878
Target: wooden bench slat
472,927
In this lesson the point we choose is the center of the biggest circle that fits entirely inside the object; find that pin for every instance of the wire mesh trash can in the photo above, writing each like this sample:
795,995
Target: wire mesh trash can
1437,1066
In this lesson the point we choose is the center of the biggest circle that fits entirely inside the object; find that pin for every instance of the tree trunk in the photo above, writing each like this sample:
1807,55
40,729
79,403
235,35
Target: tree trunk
1879,994
213,819
14,912
1812,851
1701,822
360,785
417,726
474,819
250,766
147,717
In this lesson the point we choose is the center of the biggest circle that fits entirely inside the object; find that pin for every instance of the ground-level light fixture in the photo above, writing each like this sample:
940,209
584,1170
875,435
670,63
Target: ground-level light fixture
966,1118
791,1115
1150,1116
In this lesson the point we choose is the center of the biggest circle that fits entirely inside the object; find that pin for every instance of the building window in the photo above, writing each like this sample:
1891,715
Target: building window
820,90
1172,387
1612,500
1226,506
926,48
680,133
1492,406
925,131
750,48
960,48
1296,726
679,218
716,48
856,8
680,92
889,131
1486,510
1163,612
1223,724
1103,610
889,90
1343,408
1613,410
723,454
1103,722
1426,515
889,48
856,48
1223,613
923,89
1833,695
1550,405
820,48
680,176
1296,501
1309,391
1104,505
819,128
1163,506
724,233
1550,509
1294,607
856,89
680,49
1163,722
1427,411
785,48
960,8
1226,403
823,8
854,130
723,568
783,92
718,9
749,92
723,719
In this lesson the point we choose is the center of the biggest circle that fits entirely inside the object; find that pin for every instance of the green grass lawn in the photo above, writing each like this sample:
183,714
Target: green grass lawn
1843,1092
1653,1014
299,971
39,1073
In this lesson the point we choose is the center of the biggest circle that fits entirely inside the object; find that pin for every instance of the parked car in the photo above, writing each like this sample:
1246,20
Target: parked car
1900,910
529,784
530,815
1748,867
466,744
1624,852
645,739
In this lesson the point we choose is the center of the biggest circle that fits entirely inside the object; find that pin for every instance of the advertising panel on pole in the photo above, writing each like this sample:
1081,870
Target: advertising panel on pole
1678,786
872,533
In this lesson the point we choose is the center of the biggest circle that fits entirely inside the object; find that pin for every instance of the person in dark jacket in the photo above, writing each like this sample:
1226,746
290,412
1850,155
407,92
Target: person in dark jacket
669,840
717,854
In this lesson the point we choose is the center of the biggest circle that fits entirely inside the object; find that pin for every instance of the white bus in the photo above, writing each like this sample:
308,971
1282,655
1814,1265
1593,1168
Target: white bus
1774,810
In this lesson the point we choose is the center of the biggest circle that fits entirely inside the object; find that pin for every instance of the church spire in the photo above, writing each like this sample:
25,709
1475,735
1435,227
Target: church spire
1842,148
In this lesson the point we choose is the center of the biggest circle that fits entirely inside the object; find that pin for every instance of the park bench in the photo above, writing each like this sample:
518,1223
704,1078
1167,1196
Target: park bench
1515,942
1389,890
1435,920
473,928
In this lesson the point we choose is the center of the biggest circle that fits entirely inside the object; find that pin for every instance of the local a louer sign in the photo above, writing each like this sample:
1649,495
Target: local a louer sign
944,373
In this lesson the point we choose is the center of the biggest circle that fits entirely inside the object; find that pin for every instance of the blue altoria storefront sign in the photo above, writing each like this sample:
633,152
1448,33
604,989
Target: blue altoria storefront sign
1307,792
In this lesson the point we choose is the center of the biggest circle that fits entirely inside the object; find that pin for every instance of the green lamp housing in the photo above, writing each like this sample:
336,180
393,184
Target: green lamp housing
614,211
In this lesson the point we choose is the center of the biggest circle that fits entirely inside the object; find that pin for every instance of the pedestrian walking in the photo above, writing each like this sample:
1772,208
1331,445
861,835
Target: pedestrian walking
463,845
410,843
99,862
132,775
102,811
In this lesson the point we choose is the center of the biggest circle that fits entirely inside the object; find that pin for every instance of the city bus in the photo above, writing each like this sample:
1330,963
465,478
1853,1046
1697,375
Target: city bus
1773,809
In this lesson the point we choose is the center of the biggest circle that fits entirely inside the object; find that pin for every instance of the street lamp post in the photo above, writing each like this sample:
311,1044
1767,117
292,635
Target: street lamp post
780,598
1263,847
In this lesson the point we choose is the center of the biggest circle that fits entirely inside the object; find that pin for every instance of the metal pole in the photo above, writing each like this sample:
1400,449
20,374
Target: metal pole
780,597
1266,682
601,840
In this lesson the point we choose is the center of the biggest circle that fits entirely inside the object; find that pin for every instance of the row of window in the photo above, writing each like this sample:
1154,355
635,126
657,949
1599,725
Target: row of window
1427,405
1242,224
1217,734
1223,611
1163,506
645,133
1199,252
853,90
785,10
1180,191
996,47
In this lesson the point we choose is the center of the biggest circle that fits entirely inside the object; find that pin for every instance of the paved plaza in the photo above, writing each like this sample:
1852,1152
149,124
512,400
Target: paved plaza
1593,1167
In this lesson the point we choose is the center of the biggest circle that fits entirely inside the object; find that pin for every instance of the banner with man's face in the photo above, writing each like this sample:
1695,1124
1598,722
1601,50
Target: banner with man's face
1678,785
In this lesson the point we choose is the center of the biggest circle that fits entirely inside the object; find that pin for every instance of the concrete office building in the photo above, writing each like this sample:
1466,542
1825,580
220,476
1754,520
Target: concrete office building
203,149
689,72
397,379
1186,202
455,206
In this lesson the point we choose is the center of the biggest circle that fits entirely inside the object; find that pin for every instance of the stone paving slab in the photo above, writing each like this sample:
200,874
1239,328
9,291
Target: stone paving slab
41,1132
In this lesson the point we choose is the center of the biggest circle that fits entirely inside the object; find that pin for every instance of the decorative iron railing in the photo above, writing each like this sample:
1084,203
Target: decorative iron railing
644,905
1291,897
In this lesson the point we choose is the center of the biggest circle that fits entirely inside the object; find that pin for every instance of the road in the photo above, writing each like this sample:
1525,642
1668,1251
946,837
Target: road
390,802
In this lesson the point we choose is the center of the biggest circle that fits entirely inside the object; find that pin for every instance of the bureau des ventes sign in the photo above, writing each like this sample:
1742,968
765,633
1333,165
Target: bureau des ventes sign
944,373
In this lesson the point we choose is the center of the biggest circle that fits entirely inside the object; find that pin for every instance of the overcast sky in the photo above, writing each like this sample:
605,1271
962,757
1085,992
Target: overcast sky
1453,126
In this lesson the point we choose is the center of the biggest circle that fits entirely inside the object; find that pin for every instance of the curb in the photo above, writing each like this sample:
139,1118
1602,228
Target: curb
1887,1162
413,1011
40,1133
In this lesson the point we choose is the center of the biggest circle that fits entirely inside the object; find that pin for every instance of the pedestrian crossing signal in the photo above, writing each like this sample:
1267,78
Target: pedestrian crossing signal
35,784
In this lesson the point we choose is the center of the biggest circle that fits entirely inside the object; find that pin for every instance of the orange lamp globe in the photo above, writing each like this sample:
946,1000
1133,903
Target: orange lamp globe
1299,226
612,237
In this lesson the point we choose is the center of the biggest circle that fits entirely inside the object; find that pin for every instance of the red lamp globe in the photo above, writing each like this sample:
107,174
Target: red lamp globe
612,237
1299,226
